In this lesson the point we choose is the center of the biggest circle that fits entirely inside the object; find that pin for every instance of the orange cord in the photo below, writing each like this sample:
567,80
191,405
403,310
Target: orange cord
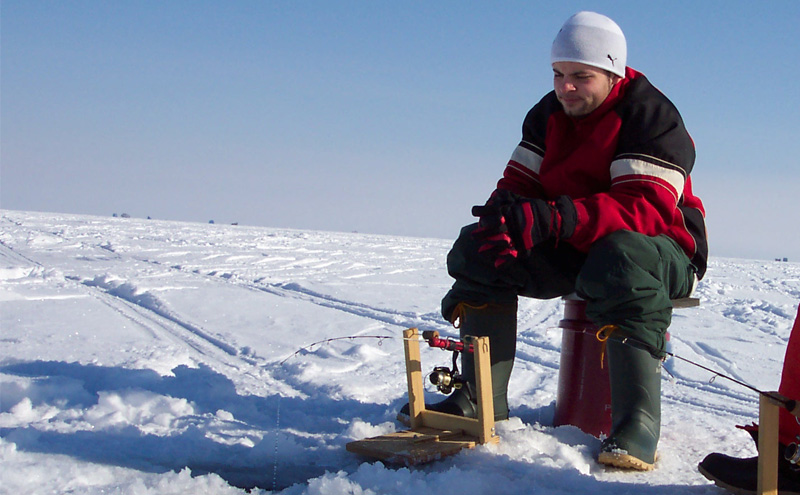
602,335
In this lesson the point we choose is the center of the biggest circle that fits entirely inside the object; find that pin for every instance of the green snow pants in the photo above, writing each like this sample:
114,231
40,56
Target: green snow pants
626,278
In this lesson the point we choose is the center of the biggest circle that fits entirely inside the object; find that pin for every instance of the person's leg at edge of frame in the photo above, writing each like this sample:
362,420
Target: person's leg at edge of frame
740,475
789,426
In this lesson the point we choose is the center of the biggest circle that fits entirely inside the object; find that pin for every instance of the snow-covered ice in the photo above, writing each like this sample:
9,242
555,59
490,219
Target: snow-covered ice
143,356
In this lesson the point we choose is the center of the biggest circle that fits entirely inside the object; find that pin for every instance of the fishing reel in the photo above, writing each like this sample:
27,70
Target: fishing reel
792,454
446,379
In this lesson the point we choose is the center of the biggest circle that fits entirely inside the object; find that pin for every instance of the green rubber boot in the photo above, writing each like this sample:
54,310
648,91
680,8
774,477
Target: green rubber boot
499,323
635,378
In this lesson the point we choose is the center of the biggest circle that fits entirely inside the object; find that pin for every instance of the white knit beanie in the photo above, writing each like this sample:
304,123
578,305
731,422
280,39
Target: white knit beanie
591,39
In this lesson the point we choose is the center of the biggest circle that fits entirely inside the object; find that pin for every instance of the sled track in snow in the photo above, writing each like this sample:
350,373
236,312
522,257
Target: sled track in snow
398,318
148,308
292,290
145,310
10,253
708,397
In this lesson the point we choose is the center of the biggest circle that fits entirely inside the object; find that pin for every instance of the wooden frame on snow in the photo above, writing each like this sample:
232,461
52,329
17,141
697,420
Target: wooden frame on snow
434,435
769,407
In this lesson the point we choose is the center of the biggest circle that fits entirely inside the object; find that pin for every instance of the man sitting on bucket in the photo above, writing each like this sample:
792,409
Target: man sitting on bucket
596,199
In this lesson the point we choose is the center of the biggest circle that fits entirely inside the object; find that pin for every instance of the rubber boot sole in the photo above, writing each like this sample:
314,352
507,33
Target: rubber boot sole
624,461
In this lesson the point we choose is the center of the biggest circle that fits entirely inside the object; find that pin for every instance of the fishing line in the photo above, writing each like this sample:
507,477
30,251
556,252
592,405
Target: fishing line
715,373
380,338
277,433
788,404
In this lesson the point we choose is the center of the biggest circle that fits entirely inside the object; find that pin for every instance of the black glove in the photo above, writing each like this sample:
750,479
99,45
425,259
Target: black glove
492,233
511,225
533,221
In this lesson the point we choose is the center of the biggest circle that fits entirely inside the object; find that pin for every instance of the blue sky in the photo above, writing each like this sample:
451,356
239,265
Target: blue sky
370,116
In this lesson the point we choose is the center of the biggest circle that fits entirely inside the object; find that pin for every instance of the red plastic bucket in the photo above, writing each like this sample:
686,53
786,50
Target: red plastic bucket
584,393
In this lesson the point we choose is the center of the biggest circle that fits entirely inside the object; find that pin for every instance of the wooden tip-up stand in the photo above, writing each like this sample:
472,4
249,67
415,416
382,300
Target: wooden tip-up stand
769,407
434,435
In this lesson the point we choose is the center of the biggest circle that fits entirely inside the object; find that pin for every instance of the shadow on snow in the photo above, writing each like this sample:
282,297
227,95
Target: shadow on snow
294,439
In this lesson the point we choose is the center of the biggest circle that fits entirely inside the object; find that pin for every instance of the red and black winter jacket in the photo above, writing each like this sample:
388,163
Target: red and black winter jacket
626,166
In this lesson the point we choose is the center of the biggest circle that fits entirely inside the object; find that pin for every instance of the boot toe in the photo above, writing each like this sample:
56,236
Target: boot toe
740,476
456,404
730,473
632,444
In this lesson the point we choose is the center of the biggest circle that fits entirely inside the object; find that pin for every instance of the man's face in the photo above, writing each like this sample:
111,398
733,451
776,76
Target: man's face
581,88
